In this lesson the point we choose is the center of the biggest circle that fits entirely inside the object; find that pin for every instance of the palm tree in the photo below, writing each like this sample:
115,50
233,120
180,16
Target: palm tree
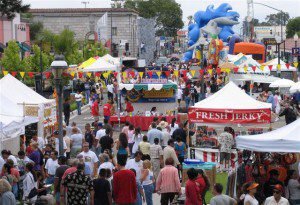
190,19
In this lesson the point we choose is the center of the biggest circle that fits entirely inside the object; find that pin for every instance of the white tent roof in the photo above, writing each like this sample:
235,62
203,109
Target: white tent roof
283,67
19,93
253,77
108,58
295,88
282,83
284,139
100,65
231,97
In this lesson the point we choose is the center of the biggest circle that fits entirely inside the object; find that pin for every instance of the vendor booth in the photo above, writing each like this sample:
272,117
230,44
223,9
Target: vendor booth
31,103
288,72
100,65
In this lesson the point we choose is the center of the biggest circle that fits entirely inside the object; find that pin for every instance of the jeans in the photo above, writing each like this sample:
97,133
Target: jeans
67,119
50,179
15,190
87,96
78,107
187,102
148,193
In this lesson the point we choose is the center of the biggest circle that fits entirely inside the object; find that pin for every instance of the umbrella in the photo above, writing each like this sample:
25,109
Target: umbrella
282,83
295,88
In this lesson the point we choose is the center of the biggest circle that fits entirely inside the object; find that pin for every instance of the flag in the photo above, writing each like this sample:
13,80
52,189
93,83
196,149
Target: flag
47,74
80,74
254,68
101,28
89,74
176,73
218,71
167,73
201,72
193,72
227,70
124,74
158,73
184,73
287,65
13,73
5,72
262,67
132,73
245,69
296,64
22,74
115,74
72,74
105,75
235,69
150,74
278,66
141,74
210,71
30,74
270,67
97,74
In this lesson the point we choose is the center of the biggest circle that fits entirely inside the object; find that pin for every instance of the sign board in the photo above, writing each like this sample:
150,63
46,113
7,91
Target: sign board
226,116
182,33
264,31
296,51
151,96
154,81
269,41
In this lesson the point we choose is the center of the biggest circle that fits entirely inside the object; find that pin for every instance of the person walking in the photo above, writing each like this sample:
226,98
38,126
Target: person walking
89,135
250,190
180,149
78,99
90,159
140,197
124,178
220,198
103,193
168,184
67,111
156,155
289,114
122,146
192,190
51,166
169,151
147,180
180,132
144,147
136,163
29,183
35,156
87,89
137,139
95,109
293,187
277,197
7,197
62,161
154,133
77,141
77,186
226,141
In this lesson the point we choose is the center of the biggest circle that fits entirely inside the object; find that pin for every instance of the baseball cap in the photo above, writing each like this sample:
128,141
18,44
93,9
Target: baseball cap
100,124
278,187
56,132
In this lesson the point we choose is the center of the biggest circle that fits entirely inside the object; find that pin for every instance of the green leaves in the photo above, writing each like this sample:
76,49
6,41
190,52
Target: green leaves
9,8
11,57
292,27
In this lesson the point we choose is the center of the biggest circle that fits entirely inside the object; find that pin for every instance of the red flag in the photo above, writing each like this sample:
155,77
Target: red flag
98,74
132,73
47,74
270,67
30,74
201,72
218,71
13,73
254,68
150,74
167,73
115,74
184,73
80,74
235,69
65,74
287,65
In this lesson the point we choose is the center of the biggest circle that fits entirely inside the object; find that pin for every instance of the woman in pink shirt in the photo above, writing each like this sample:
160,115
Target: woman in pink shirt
168,184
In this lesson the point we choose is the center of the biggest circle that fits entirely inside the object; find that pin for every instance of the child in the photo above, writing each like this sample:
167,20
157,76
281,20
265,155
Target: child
140,192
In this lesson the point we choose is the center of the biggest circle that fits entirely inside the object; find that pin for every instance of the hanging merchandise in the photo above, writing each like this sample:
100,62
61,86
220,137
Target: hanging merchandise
215,46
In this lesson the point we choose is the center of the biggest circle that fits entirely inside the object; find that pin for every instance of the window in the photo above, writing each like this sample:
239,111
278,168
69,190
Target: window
114,31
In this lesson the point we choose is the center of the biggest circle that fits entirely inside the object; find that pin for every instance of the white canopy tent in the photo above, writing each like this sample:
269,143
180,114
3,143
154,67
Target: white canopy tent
295,88
230,106
111,60
22,96
282,83
284,139
253,78
231,97
100,65
274,63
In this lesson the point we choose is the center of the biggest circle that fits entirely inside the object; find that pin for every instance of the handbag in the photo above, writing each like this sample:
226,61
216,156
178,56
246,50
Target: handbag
33,192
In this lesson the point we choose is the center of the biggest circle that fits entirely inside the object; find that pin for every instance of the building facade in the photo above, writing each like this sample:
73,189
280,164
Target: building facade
119,24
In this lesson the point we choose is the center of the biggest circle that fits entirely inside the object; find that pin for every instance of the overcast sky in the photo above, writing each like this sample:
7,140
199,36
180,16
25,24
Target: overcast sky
189,7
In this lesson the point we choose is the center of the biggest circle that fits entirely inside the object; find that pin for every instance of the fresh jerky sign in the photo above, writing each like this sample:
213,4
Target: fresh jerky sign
229,116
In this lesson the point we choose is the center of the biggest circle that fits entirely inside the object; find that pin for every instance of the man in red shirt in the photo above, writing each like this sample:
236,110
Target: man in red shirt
95,109
107,110
129,107
124,178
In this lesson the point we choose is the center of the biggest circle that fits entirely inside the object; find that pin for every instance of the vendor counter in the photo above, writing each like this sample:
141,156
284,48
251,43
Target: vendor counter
140,121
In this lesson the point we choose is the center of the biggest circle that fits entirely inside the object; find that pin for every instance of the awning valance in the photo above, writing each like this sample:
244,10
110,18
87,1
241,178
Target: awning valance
138,87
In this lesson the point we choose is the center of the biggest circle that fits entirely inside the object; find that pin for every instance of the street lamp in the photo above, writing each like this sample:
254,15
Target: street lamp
278,41
57,67
296,39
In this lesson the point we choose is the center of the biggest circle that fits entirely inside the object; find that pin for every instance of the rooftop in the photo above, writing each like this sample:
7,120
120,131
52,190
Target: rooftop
79,10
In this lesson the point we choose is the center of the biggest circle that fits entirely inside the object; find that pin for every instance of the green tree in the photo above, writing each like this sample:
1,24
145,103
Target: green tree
11,57
275,19
292,27
168,14
9,8
35,60
92,50
35,29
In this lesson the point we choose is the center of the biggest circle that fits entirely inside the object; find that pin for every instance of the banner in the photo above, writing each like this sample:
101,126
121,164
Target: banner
150,96
226,116
101,28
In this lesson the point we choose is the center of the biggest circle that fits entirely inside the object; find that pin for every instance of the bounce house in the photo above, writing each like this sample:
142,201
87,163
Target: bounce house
217,24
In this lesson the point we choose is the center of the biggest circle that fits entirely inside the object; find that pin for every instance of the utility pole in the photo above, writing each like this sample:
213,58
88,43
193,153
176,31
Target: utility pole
85,3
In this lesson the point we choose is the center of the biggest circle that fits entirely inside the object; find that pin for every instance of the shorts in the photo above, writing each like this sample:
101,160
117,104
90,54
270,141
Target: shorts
224,156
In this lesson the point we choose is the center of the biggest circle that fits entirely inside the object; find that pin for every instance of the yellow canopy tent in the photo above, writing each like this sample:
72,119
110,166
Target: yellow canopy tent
86,63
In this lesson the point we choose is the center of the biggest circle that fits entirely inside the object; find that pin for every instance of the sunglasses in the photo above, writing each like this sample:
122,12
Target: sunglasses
276,192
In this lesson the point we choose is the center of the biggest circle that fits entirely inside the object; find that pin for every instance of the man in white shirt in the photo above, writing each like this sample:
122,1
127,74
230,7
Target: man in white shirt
110,91
51,166
226,141
105,163
277,199
136,164
78,99
39,140
90,158
56,135
101,132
